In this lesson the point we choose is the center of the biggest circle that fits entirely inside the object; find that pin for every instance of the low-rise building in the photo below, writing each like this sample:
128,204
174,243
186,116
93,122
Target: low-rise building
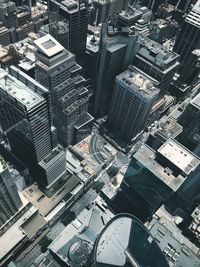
178,250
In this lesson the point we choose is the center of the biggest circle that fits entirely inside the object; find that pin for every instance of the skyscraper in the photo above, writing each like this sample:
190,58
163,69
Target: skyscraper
169,174
8,13
58,71
133,97
25,118
190,71
189,36
190,120
69,25
116,52
157,61
104,8
10,201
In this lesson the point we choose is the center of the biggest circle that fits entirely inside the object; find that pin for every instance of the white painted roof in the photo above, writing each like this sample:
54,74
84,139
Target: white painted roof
48,45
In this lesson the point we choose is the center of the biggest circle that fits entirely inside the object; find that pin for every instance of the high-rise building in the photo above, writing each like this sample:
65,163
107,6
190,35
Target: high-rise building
68,25
157,61
102,9
137,17
116,52
53,62
4,36
133,14
57,70
190,120
189,36
133,97
190,71
105,8
8,14
10,201
170,175
25,118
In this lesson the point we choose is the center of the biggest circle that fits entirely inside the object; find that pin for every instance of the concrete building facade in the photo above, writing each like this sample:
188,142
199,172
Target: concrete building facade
133,98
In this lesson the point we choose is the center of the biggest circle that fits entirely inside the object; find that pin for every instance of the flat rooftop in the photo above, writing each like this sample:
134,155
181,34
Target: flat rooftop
47,204
124,241
131,13
20,230
19,91
178,250
92,43
169,129
179,156
147,157
83,120
157,53
139,81
84,229
71,6
48,45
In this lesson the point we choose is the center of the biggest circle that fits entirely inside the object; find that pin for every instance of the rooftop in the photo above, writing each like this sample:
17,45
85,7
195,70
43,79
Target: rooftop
83,120
131,13
92,43
124,241
139,81
148,158
194,16
179,156
24,227
18,90
196,7
178,250
57,152
71,5
195,225
46,204
48,45
169,129
157,53
76,241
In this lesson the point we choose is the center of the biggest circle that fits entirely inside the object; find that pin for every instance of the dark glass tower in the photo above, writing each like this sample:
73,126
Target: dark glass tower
68,25
133,97
189,36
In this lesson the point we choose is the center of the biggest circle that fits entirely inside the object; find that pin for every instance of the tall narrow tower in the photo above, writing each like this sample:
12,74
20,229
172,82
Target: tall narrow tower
189,36
71,27
133,97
